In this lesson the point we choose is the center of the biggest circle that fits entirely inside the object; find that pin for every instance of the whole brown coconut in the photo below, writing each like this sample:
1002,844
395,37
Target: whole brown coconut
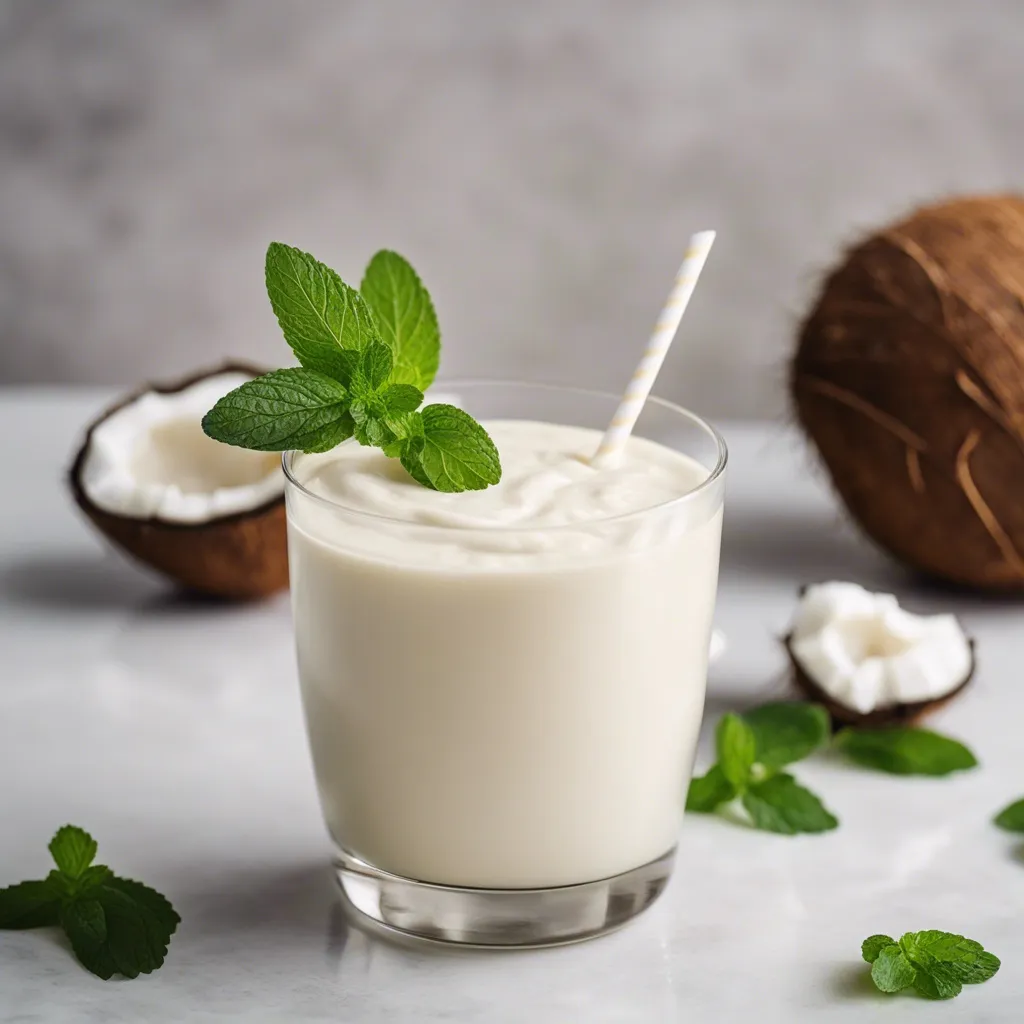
909,379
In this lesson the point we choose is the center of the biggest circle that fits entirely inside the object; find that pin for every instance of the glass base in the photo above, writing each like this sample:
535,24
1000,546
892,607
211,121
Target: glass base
509,918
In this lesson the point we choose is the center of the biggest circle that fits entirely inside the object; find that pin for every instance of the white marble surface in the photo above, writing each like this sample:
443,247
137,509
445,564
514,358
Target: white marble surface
172,730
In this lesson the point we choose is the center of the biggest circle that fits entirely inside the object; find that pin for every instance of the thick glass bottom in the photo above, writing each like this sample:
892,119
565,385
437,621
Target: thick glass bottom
509,918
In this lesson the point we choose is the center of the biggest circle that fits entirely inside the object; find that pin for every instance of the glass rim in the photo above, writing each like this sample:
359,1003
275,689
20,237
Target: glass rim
288,457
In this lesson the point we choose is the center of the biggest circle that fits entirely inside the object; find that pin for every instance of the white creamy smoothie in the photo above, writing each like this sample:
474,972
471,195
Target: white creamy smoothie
503,688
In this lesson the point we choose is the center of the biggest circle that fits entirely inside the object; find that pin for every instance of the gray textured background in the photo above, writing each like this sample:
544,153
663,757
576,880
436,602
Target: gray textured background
540,162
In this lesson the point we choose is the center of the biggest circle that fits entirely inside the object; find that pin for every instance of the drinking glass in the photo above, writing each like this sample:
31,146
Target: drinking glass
503,721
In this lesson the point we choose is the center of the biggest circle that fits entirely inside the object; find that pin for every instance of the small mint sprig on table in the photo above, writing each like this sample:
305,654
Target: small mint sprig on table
366,358
752,748
938,964
114,925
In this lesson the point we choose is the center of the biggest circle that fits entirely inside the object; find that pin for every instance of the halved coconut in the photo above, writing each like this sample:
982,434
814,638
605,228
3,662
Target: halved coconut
869,661
207,515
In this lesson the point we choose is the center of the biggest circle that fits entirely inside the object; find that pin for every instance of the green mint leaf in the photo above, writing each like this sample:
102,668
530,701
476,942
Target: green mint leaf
411,455
454,452
787,731
781,804
873,945
891,971
404,426
905,751
156,918
1012,818
282,410
85,924
372,431
966,959
30,905
983,965
319,314
120,927
736,746
405,316
399,398
91,876
709,791
937,981
375,366
72,849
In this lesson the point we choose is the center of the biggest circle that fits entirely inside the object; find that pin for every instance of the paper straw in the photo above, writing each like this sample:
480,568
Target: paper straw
640,384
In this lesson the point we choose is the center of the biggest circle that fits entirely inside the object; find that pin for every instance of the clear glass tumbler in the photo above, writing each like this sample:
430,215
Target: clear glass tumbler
502,744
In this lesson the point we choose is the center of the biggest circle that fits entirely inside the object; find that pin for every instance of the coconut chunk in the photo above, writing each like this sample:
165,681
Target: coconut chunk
866,653
151,459
208,516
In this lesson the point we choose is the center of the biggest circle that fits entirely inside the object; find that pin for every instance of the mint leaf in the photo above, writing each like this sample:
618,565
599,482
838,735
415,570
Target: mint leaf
736,746
85,925
371,428
937,981
284,409
140,923
1012,818
905,751
401,398
709,791
375,365
411,454
119,927
965,959
319,314
780,804
73,850
891,971
29,905
91,876
873,945
454,452
405,316
115,925
787,731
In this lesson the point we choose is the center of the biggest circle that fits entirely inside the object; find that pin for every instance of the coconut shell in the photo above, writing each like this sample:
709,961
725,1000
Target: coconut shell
242,556
897,714
909,379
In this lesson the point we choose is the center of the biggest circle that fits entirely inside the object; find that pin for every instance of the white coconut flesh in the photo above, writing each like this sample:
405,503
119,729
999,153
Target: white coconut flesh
151,459
866,652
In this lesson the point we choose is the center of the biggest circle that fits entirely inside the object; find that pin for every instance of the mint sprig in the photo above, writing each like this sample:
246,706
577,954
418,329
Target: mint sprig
938,964
366,359
751,749
115,925
902,750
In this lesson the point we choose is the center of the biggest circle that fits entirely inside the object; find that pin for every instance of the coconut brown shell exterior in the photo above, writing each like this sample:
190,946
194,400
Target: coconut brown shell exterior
899,714
241,556
909,379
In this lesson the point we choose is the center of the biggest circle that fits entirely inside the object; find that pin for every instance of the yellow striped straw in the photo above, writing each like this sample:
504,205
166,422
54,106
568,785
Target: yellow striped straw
640,384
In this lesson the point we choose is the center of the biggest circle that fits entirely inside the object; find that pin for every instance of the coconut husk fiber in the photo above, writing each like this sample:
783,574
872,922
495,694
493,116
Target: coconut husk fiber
909,379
